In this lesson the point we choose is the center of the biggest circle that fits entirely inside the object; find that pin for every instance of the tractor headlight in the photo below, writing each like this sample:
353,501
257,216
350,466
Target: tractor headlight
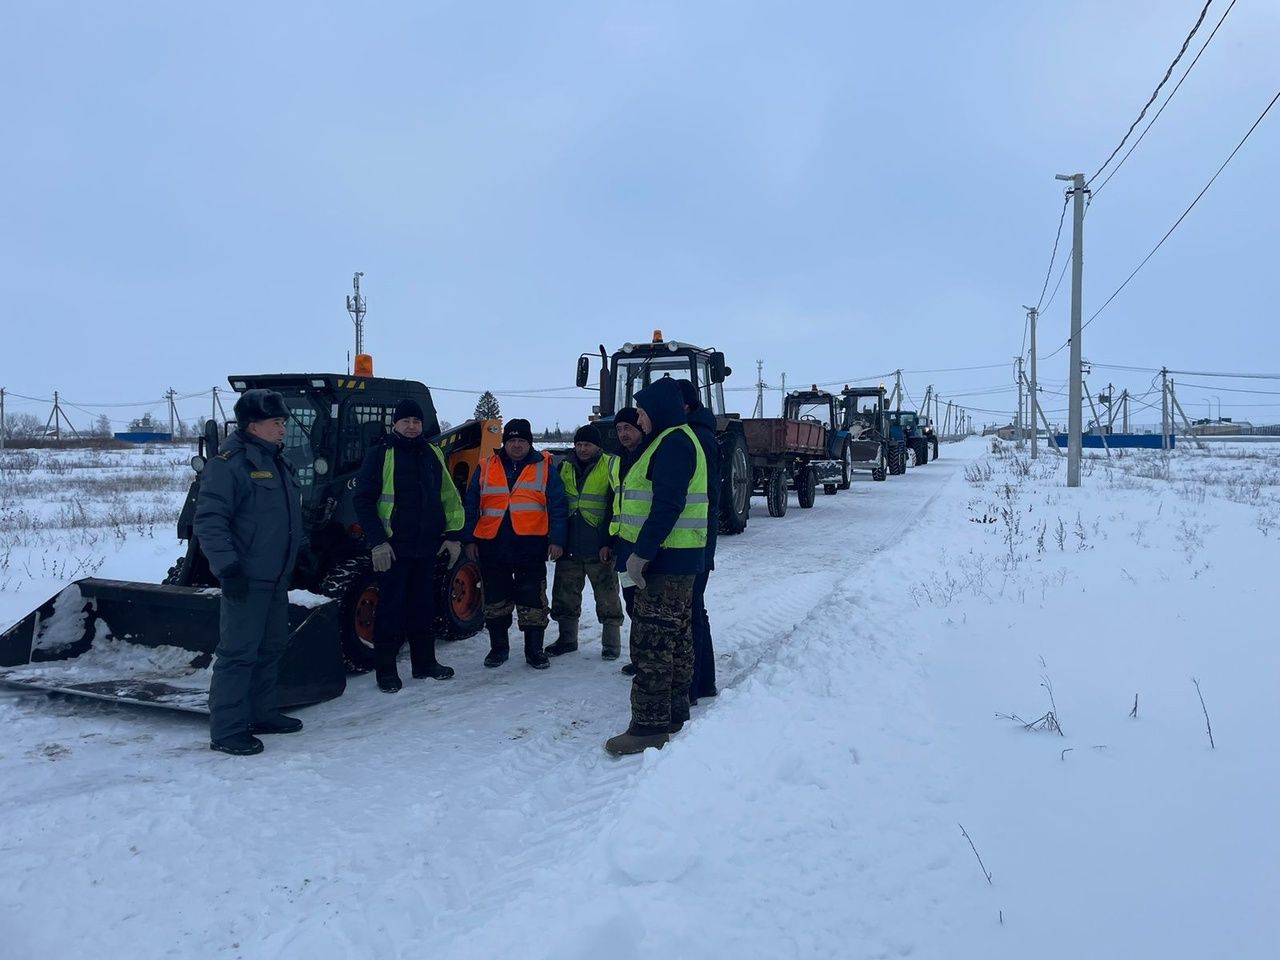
197,463
321,466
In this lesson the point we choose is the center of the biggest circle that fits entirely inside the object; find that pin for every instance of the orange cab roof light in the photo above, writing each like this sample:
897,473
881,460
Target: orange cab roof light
364,365
657,336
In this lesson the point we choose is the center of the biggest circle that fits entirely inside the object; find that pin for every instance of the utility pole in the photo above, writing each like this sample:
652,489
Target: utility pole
784,394
356,307
897,391
169,395
759,410
1164,408
1124,410
1017,420
1076,413
1032,315
1,418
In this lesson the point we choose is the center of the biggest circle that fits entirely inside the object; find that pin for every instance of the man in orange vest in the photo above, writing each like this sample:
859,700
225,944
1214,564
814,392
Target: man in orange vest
517,520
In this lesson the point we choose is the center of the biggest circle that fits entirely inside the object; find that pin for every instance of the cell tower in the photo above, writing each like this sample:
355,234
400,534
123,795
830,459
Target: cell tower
356,307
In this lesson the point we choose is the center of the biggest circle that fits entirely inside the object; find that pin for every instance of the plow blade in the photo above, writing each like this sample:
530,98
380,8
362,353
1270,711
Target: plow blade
153,644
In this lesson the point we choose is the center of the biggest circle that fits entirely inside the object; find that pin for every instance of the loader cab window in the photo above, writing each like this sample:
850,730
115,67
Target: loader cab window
362,426
712,393
300,431
811,410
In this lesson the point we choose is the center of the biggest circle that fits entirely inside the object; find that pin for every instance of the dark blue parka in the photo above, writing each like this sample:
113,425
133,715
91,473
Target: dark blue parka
508,544
418,523
703,423
249,510
671,470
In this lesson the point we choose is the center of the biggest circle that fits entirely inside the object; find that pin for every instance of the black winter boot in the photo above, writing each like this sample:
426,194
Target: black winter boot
238,745
534,655
422,655
384,662
567,641
499,645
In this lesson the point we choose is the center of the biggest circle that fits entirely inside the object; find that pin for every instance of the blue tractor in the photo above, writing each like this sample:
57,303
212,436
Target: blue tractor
819,406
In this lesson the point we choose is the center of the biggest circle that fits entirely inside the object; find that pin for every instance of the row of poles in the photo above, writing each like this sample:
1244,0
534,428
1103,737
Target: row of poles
58,417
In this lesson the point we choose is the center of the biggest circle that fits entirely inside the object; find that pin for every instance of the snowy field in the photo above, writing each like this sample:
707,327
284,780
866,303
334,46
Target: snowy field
964,645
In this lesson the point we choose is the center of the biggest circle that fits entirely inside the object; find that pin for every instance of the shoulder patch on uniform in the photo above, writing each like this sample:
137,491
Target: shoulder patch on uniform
260,475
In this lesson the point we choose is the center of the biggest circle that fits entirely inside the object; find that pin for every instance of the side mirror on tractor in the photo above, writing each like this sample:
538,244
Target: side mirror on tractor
716,370
584,370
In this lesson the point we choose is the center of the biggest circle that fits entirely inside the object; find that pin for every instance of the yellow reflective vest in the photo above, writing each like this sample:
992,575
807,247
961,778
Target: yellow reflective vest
635,499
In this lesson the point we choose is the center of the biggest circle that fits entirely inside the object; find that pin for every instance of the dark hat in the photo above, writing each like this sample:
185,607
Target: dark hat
517,428
259,404
408,407
690,394
628,415
589,433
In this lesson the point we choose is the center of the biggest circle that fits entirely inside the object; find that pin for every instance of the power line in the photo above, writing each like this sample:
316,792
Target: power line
1155,93
1098,189
1057,237
1202,192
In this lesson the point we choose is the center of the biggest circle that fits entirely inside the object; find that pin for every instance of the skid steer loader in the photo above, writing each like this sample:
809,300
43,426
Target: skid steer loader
153,643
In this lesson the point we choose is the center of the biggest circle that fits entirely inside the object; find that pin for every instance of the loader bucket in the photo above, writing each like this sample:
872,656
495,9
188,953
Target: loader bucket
152,644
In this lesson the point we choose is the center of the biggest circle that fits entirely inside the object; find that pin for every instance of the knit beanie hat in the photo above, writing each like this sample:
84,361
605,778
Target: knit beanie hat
628,415
589,433
517,428
406,408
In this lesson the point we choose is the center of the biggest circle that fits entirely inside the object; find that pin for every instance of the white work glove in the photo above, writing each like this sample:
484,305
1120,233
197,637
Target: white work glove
383,556
453,548
635,570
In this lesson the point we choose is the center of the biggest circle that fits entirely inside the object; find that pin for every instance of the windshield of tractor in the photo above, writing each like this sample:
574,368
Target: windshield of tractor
819,410
635,372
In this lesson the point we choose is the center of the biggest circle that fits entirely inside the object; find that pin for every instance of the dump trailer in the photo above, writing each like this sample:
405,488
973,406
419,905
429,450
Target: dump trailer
785,455
636,365
153,643
873,445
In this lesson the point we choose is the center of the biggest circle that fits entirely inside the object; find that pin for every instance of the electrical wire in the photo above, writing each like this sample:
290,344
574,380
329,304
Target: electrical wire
1155,93
1057,237
1097,190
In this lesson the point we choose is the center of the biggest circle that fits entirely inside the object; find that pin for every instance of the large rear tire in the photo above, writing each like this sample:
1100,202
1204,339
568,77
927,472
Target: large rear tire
922,452
735,488
776,495
897,460
356,614
806,487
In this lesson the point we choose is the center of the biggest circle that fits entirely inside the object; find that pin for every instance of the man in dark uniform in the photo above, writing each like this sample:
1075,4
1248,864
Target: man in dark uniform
662,536
411,512
516,521
703,422
249,524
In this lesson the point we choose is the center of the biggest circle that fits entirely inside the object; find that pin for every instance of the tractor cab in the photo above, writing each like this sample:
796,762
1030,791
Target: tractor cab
637,365
814,405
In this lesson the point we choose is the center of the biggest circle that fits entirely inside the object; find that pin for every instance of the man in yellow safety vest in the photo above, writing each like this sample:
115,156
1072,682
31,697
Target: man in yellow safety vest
588,486
661,537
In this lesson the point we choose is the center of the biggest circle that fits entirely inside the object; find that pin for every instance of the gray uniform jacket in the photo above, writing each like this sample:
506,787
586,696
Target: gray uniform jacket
249,510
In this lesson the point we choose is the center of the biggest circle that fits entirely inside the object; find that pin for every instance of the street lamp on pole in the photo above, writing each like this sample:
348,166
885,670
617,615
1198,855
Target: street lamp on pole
1219,399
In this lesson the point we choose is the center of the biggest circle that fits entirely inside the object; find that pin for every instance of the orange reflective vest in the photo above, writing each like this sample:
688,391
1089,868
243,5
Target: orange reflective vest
526,501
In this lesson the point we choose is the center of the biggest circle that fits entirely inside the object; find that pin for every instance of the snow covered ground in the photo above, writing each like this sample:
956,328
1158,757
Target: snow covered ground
867,650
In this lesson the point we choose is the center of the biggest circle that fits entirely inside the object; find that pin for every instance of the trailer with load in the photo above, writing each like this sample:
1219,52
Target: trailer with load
153,643
873,447
636,365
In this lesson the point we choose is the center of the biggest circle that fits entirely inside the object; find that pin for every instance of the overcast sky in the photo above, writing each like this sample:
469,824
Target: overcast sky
836,188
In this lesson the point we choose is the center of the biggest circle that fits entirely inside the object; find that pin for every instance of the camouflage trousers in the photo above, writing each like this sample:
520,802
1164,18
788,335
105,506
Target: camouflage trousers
572,574
662,650
520,587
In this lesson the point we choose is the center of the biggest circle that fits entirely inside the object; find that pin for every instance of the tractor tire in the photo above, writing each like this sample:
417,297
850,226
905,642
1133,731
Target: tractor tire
459,600
922,453
846,466
878,473
176,572
806,487
897,460
828,489
735,487
776,495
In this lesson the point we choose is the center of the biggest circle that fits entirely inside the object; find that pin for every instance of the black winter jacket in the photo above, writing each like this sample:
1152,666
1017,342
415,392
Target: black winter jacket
418,522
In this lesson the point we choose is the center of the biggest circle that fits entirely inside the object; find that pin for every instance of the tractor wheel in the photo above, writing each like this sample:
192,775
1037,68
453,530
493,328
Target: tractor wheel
846,466
776,493
177,571
828,489
897,462
806,487
879,473
357,612
459,600
735,487
922,453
